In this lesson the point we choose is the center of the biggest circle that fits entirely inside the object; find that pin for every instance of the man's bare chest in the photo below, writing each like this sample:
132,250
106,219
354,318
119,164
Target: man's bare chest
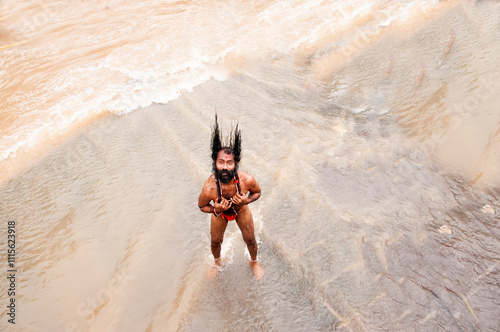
228,190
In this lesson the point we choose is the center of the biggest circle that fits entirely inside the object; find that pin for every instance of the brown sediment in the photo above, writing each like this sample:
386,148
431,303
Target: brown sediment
351,221
334,59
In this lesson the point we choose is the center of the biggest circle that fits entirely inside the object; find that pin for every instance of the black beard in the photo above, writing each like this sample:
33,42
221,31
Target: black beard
225,175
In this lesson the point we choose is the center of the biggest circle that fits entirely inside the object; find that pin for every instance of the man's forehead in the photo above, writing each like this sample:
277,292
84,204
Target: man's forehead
225,156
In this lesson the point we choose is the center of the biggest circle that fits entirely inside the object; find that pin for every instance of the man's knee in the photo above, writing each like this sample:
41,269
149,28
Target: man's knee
216,243
249,240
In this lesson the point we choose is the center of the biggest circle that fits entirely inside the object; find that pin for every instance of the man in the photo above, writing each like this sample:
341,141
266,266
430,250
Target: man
231,191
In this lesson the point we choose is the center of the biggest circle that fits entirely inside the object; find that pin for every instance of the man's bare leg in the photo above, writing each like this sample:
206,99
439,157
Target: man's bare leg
245,223
217,228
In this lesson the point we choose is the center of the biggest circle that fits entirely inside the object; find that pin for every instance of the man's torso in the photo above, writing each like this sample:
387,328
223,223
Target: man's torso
229,190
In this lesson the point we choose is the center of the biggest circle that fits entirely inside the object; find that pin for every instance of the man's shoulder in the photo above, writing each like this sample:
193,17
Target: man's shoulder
245,177
209,188
210,182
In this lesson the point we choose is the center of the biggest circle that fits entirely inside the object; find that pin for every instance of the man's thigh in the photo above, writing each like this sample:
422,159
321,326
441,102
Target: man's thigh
245,223
217,228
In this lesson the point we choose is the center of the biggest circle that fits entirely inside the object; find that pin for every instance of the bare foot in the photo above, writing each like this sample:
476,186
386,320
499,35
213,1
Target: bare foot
214,269
258,271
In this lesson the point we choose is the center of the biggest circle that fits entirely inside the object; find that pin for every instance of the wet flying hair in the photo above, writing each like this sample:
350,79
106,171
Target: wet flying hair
233,148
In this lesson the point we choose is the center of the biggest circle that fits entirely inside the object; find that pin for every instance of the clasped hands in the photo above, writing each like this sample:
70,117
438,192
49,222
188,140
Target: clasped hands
225,204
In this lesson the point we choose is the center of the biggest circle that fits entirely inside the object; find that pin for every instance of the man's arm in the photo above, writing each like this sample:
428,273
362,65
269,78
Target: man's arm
204,203
253,189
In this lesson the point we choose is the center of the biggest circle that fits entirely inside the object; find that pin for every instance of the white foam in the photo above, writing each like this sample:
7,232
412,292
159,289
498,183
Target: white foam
172,54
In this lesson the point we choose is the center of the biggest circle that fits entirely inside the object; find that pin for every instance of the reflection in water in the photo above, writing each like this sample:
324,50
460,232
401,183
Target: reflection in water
378,167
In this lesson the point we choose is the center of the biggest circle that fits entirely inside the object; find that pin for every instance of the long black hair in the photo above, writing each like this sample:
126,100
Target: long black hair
234,146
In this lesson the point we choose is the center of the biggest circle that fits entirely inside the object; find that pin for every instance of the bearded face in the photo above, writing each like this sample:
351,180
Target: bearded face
225,175
225,157
224,166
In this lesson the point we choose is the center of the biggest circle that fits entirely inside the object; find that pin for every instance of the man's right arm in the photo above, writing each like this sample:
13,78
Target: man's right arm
204,200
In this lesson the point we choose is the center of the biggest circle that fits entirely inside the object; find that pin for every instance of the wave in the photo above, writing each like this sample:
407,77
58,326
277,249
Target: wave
116,58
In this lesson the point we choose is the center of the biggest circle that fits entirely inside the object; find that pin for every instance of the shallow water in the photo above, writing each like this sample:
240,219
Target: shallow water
374,138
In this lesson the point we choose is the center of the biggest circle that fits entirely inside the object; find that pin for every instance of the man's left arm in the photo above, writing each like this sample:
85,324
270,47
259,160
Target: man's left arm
253,192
